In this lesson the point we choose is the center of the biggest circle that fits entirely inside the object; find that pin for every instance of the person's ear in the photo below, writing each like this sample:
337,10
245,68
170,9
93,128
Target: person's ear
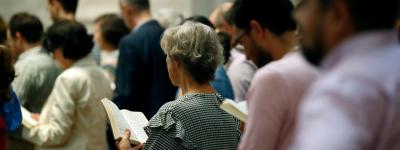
18,37
340,17
258,30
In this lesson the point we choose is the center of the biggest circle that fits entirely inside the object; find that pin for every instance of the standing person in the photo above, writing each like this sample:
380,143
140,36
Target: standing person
7,75
355,104
62,9
109,30
194,120
35,68
71,118
142,82
278,87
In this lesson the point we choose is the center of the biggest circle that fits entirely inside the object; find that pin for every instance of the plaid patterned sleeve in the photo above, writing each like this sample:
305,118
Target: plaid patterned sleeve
193,121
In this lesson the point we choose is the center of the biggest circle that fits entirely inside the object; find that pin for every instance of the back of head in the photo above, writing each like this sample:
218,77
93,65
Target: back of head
196,46
71,37
370,14
275,15
140,5
217,16
7,73
69,6
112,28
3,31
29,26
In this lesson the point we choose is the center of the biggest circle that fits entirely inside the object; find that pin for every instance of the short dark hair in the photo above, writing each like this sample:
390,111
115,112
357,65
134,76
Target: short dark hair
7,74
28,25
200,19
139,4
71,37
3,31
370,14
69,5
275,15
112,27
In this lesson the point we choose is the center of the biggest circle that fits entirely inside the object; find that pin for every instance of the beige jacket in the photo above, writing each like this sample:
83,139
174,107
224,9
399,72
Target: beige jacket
73,117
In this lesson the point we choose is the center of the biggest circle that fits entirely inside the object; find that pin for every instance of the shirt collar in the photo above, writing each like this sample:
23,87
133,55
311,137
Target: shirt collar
29,52
362,42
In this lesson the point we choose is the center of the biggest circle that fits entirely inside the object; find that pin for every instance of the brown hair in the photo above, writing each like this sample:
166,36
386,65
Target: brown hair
7,73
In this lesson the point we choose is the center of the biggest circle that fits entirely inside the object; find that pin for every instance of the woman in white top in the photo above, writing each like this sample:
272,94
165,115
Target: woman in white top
73,117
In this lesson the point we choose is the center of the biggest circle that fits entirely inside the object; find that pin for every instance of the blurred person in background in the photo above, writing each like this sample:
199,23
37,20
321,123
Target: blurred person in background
221,18
10,117
71,118
142,82
62,9
35,69
355,104
109,30
168,17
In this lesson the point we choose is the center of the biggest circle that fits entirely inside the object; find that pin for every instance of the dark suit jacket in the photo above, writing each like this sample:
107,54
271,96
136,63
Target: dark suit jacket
142,77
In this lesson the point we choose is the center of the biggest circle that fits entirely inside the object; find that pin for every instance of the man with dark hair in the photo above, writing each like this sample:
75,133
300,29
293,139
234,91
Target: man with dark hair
35,68
142,82
355,104
62,9
278,87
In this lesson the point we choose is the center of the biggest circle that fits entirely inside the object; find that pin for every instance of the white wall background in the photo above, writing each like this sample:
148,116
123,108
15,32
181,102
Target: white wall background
88,10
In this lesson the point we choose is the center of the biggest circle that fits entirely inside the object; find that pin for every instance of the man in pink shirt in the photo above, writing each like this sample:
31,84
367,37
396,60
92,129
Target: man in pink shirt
355,104
278,87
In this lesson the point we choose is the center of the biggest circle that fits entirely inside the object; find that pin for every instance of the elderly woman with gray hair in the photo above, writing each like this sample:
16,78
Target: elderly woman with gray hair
194,120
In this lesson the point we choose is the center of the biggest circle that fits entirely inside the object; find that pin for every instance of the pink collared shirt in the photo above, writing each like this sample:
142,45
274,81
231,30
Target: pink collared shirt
355,105
273,98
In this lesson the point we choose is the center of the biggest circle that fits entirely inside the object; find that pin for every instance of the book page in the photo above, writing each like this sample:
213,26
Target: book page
27,119
117,120
137,121
238,110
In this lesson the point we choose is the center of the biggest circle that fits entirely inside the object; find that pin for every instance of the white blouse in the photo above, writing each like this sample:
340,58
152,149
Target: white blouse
73,117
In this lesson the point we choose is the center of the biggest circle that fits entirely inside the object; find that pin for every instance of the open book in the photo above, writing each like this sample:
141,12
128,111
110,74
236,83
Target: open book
27,119
236,109
125,119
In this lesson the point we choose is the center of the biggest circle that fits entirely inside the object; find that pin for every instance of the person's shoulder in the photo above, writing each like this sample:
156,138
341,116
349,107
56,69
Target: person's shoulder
40,62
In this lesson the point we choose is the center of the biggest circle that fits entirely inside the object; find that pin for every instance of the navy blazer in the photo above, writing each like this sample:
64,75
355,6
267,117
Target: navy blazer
142,82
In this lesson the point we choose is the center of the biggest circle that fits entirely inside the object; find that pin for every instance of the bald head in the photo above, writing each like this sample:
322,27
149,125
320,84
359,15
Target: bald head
217,16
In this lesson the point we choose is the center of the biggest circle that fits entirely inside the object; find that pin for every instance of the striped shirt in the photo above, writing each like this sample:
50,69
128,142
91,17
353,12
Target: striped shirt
193,121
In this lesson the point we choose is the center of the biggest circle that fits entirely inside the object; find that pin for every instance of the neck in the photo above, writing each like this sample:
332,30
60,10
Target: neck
67,63
141,17
191,86
28,46
66,16
285,43
108,48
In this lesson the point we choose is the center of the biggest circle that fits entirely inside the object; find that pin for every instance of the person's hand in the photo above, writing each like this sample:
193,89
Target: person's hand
35,116
125,144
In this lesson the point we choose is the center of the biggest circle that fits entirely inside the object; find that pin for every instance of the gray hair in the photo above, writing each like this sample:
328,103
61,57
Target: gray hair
196,46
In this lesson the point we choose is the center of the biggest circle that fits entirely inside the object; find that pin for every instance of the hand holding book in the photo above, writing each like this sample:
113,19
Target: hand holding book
125,144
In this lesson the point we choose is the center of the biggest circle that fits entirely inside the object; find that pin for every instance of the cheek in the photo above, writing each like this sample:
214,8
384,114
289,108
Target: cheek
307,26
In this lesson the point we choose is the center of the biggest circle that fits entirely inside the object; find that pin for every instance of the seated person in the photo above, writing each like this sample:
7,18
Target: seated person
194,120
72,118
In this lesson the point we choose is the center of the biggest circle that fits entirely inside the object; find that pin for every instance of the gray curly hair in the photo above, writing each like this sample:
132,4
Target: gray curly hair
196,46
